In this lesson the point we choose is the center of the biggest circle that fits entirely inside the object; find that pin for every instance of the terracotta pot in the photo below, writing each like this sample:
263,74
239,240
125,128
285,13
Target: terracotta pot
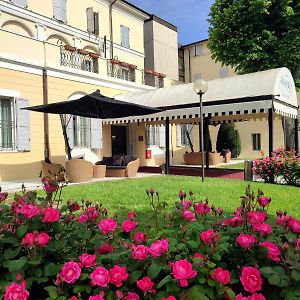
82,51
94,55
115,61
124,64
70,48
132,67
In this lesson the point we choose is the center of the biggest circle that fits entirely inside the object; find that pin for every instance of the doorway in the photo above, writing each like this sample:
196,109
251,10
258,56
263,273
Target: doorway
118,140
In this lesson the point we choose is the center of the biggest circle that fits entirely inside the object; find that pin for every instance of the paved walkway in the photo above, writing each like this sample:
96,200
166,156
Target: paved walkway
35,183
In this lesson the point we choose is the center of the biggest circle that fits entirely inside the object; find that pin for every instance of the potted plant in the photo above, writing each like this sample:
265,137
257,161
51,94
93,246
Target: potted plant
115,61
124,64
149,71
83,51
161,75
94,55
70,48
132,67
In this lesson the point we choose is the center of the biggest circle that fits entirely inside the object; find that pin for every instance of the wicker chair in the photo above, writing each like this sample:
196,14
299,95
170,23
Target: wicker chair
79,170
51,169
123,171
195,158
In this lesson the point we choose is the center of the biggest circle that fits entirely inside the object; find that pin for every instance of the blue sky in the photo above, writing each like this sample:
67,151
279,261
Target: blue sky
188,15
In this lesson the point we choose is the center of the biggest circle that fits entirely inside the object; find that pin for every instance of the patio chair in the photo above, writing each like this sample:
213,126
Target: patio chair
51,169
79,170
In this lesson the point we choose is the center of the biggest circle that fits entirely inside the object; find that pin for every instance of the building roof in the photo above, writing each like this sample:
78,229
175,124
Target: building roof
194,43
162,22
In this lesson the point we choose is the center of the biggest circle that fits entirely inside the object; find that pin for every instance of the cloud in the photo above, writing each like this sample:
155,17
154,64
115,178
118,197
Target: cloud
190,16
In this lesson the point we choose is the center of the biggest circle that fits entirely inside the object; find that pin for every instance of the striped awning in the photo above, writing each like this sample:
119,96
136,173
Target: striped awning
237,96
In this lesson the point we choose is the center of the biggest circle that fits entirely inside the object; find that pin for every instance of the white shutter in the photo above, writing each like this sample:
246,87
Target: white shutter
96,134
63,10
57,9
21,3
96,23
90,19
178,135
162,136
70,130
22,122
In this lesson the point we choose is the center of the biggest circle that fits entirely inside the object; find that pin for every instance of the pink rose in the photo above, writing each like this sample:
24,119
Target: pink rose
245,240
145,284
70,272
298,244
262,229
294,225
251,279
257,297
97,297
202,208
283,219
100,277
159,247
87,260
73,205
42,239
139,252
263,201
107,225
50,215
119,294
273,250
29,210
118,275
105,248
182,271
132,296
189,216
209,237
186,204
199,258
129,225
254,217
131,215
221,275
16,291
73,298
169,298
3,196
28,240
140,237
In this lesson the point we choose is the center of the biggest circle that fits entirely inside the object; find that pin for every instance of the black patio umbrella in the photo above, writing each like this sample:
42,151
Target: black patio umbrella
95,105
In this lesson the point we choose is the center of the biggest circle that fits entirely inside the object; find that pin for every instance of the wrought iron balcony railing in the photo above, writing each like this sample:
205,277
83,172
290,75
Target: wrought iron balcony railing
121,70
153,78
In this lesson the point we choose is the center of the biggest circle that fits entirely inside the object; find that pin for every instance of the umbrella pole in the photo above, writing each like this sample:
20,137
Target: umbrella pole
63,126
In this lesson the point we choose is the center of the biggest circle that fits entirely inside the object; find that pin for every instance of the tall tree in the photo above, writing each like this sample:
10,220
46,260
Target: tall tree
256,35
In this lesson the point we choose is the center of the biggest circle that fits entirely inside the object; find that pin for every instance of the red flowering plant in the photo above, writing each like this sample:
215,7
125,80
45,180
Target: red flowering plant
80,251
282,166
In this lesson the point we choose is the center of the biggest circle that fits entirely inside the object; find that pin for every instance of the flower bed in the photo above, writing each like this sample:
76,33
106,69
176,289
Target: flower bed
283,166
80,251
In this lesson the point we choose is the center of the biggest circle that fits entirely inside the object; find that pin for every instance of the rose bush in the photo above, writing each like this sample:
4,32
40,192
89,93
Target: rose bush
282,166
78,251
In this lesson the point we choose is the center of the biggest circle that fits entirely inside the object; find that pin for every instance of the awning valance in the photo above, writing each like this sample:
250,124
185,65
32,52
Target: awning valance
239,95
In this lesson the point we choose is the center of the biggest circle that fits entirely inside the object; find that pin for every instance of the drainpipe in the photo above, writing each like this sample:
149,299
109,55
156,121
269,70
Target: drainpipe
111,35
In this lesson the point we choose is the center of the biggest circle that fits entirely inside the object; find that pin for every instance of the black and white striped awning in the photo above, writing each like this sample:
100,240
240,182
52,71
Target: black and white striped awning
231,97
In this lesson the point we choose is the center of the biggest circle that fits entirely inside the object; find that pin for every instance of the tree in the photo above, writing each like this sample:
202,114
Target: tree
256,35
229,138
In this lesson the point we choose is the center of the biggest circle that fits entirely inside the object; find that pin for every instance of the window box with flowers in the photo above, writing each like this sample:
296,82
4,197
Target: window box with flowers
94,55
124,64
149,71
132,67
83,52
114,61
70,48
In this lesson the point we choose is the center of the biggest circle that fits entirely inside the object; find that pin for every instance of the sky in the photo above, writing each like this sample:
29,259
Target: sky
190,16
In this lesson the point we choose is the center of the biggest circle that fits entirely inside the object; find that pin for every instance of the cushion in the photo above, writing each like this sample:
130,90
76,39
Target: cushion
127,159
106,160
117,160
116,167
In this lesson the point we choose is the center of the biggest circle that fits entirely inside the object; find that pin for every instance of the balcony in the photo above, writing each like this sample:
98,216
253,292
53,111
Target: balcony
153,78
121,70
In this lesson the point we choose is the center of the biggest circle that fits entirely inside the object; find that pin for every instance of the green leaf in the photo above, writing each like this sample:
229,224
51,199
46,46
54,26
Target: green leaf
134,276
16,265
164,281
296,275
21,231
84,276
52,290
154,270
51,269
193,244
10,253
230,293
216,257
197,293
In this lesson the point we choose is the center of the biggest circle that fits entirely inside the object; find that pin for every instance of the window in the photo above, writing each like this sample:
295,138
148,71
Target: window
92,21
185,130
152,135
7,136
197,50
81,131
125,36
256,141
14,124
60,10
124,74
21,3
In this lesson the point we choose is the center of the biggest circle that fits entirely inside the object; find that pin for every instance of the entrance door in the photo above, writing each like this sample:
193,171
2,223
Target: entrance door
118,140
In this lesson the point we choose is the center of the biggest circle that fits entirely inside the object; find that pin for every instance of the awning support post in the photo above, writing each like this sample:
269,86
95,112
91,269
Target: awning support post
296,135
63,126
167,166
271,130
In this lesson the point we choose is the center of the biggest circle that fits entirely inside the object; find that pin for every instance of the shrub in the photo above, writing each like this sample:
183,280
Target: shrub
283,166
78,251
229,138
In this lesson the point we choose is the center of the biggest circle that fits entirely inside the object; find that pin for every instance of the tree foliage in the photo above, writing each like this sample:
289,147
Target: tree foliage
256,35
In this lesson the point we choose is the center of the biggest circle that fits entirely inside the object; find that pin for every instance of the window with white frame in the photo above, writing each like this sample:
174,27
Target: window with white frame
60,10
14,124
92,21
152,135
198,50
186,131
81,127
124,74
125,36
256,141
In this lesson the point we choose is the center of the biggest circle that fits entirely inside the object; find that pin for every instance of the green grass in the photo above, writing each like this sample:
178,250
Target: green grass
238,166
129,194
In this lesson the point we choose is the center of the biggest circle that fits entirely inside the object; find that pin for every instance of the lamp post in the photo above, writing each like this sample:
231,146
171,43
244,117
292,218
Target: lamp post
200,87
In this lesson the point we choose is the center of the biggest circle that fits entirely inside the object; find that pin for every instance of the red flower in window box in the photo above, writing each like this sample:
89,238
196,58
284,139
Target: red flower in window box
132,67
124,64
114,61
70,48
82,51
94,55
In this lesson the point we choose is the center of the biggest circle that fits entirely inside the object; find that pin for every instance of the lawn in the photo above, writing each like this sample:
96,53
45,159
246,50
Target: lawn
129,194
